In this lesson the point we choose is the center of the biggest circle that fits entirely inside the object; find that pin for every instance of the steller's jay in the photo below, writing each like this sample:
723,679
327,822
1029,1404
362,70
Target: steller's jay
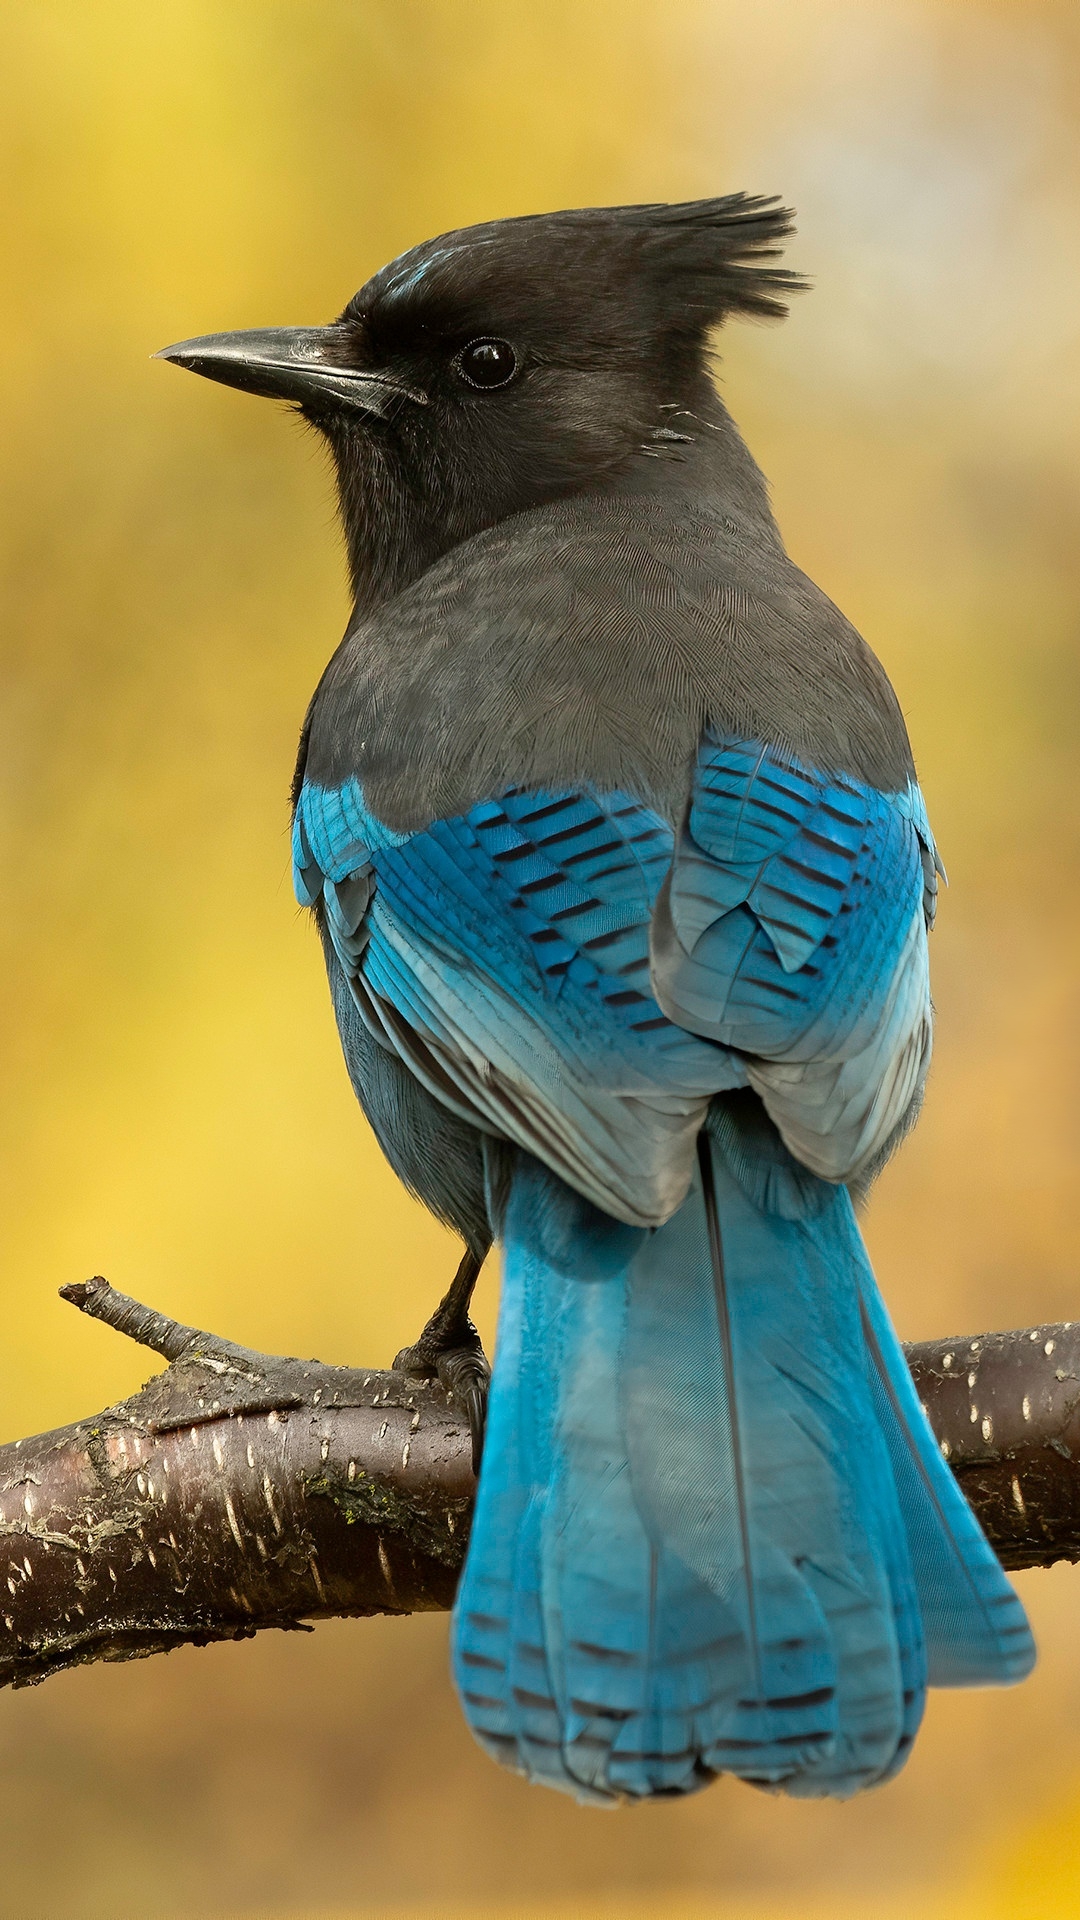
609,823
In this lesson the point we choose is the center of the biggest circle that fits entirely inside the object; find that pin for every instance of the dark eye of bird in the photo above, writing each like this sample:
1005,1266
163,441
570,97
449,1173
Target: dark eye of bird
487,363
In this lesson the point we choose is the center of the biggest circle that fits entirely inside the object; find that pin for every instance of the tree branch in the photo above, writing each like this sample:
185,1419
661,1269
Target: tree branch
239,1490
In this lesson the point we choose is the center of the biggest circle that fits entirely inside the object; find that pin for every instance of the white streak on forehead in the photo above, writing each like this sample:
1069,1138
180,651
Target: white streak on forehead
407,280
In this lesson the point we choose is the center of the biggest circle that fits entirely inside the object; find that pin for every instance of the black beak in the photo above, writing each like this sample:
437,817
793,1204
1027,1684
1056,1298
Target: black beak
303,364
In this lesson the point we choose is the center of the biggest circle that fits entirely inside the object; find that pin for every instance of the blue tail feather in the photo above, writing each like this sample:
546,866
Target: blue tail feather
816,1478
713,1531
975,1627
684,1421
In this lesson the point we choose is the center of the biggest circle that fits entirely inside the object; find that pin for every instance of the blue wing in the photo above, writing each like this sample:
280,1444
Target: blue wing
792,928
505,956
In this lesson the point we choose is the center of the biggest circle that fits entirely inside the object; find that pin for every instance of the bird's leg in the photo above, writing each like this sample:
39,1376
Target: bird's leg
449,1350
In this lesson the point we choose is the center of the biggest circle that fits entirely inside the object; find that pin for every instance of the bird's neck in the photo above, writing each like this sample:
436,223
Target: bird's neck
393,533
692,450
698,453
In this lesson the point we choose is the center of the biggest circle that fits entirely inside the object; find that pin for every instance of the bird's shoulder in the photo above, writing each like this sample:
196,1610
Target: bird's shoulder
589,642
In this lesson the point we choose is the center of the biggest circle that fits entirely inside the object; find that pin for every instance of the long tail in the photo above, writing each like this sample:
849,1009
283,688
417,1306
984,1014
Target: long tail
713,1533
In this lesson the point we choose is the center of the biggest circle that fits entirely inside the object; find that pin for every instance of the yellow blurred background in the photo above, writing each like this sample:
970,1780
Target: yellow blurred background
174,1113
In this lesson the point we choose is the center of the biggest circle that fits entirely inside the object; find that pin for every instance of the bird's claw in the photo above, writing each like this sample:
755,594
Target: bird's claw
461,1370
466,1376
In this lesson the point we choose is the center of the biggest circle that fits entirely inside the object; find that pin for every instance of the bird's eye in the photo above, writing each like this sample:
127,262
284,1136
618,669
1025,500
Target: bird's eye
487,363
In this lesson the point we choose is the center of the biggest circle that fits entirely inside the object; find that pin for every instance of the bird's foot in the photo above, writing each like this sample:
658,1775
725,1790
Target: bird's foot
449,1351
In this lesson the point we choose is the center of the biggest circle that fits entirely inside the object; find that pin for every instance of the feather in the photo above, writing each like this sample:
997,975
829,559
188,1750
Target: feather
976,1630
694,1539
792,927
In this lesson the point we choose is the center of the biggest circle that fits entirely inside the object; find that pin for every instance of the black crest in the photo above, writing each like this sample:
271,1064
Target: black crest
596,274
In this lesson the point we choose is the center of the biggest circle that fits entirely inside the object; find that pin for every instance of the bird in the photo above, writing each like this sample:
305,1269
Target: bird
609,824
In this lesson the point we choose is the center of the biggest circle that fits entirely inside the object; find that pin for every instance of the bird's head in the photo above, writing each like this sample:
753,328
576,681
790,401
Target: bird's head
503,365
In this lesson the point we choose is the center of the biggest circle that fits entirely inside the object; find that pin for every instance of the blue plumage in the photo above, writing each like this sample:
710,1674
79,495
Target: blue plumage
793,927
713,1532
691,1550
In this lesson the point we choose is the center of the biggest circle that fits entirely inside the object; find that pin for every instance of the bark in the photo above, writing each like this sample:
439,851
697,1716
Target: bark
239,1490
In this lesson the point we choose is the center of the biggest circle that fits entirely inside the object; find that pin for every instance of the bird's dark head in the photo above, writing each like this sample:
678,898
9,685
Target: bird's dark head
502,365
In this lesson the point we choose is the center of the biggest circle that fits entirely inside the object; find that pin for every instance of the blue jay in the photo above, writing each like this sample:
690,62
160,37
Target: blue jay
610,827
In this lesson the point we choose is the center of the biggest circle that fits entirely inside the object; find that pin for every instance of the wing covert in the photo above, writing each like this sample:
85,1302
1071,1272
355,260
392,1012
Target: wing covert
792,928
503,955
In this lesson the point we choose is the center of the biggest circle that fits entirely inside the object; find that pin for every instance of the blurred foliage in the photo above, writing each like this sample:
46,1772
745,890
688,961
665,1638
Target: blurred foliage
173,1109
